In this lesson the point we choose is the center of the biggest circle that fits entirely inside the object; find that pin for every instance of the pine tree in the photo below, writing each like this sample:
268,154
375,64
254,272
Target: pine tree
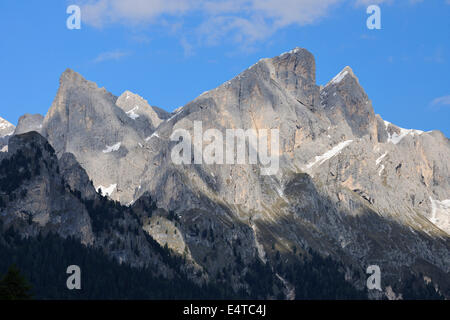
14,286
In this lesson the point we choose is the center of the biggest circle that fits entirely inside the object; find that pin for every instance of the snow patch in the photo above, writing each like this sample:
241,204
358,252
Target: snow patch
132,113
381,170
259,246
396,138
154,134
176,112
178,109
377,162
112,148
328,155
295,50
106,191
440,214
5,124
4,149
340,76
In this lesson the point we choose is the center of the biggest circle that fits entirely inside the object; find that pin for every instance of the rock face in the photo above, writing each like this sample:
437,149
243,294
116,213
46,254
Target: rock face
40,193
146,118
350,185
105,133
29,122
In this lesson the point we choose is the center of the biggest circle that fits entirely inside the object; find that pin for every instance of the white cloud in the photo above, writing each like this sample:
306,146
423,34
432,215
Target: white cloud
110,55
244,21
187,47
248,20
441,101
370,2
102,12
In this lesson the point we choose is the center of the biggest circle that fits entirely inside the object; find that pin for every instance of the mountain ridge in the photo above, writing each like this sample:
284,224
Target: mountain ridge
350,186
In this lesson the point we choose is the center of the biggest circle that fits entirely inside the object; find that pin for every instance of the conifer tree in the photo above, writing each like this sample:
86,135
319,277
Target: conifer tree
14,286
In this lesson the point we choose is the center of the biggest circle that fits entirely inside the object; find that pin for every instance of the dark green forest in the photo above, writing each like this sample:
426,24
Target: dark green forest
43,262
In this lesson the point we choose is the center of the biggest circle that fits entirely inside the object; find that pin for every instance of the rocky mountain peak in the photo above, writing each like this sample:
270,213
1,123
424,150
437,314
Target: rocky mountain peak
29,122
72,78
345,75
76,109
137,107
298,61
291,75
6,128
344,99
296,72
29,142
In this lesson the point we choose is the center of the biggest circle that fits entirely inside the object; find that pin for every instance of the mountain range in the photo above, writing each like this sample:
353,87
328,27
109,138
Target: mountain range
352,190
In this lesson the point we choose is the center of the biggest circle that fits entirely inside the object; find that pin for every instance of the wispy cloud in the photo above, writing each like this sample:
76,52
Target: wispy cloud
99,13
438,56
239,20
441,102
187,47
243,21
110,55
370,2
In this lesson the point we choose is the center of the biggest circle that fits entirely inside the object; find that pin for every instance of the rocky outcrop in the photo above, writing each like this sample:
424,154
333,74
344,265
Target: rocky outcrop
84,120
146,118
41,194
37,199
29,122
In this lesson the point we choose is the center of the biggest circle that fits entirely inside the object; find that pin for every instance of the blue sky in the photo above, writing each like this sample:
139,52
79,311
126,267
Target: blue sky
170,51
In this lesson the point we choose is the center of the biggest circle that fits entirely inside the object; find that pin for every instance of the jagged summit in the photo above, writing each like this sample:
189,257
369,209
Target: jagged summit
71,77
138,109
29,122
6,128
346,72
298,61
28,141
6,131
